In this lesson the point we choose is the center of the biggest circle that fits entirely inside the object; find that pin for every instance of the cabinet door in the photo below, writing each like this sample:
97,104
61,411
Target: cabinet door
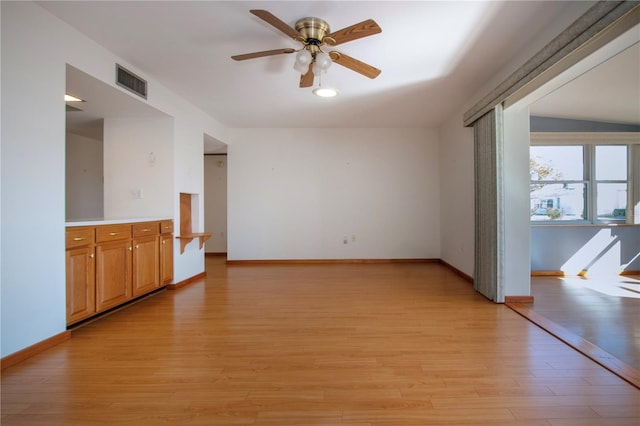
113,274
166,259
146,265
81,290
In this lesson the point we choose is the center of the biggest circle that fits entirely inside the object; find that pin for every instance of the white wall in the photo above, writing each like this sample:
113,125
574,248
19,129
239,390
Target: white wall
296,193
33,175
457,195
189,178
138,164
572,249
457,155
215,202
517,252
84,174
36,48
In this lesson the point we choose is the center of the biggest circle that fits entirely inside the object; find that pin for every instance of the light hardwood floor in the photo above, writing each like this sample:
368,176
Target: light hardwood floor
372,344
604,310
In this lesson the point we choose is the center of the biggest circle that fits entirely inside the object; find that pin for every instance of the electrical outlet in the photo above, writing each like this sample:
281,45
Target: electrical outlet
345,239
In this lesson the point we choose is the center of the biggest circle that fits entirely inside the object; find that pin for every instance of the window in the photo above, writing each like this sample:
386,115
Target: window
558,188
611,183
579,182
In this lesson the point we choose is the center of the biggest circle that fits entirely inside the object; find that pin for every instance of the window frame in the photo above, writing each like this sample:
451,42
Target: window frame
589,141
595,181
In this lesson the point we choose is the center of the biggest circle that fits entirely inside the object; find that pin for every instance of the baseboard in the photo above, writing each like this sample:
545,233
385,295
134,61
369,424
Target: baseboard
348,261
547,274
35,349
518,299
216,253
582,273
457,271
183,283
325,261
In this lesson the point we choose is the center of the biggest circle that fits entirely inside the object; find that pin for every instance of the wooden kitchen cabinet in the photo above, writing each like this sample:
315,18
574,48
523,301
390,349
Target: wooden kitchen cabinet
146,258
113,265
166,252
108,265
80,273
113,274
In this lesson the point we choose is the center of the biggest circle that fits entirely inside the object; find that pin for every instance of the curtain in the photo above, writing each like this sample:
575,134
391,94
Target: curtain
489,247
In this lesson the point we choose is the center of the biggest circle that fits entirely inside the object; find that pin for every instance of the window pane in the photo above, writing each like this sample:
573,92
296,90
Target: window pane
556,163
612,201
611,162
557,201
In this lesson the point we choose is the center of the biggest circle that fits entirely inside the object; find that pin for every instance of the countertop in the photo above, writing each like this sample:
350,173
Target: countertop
113,221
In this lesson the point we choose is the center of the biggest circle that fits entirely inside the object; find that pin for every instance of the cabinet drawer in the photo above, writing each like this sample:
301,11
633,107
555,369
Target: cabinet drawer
145,229
166,227
113,233
78,237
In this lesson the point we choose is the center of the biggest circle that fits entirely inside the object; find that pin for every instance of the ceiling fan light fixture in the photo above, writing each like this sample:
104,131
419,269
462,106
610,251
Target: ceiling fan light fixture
303,59
321,63
325,92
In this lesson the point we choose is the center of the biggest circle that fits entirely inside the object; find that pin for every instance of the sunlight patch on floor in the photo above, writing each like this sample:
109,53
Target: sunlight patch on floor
619,286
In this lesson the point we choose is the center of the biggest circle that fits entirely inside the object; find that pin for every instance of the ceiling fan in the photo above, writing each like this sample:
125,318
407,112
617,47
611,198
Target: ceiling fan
314,34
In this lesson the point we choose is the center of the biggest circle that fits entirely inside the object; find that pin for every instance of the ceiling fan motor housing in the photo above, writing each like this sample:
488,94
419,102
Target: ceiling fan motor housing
312,30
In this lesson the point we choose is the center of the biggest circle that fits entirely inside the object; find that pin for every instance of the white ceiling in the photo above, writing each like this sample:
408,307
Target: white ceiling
433,55
609,92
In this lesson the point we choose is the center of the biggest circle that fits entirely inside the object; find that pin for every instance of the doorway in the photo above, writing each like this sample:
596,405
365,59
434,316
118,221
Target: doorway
215,195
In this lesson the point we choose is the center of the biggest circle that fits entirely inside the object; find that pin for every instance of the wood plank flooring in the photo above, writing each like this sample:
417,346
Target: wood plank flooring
604,310
372,344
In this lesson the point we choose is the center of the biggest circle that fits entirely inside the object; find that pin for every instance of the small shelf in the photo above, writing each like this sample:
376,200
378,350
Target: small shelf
187,238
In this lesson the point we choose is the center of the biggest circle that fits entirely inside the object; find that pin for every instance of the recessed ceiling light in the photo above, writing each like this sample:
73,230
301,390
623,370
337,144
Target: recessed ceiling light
324,92
69,98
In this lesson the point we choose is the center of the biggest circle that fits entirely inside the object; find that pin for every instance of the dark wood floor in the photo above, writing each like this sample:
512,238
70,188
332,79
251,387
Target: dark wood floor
377,344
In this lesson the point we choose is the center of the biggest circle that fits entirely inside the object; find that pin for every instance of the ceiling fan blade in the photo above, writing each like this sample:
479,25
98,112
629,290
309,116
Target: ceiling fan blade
306,80
354,32
261,54
271,19
354,64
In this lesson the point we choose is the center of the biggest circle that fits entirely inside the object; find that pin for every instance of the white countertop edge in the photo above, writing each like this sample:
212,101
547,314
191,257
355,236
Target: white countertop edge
113,221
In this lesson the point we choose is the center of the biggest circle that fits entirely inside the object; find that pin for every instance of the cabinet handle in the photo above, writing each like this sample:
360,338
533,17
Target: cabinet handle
78,239
146,230
129,248
91,255
163,242
113,234
137,246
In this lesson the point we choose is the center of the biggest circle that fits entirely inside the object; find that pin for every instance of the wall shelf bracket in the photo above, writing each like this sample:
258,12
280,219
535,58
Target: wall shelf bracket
187,238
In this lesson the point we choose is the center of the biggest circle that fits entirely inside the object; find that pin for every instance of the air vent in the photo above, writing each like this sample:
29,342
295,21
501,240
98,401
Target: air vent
130,81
